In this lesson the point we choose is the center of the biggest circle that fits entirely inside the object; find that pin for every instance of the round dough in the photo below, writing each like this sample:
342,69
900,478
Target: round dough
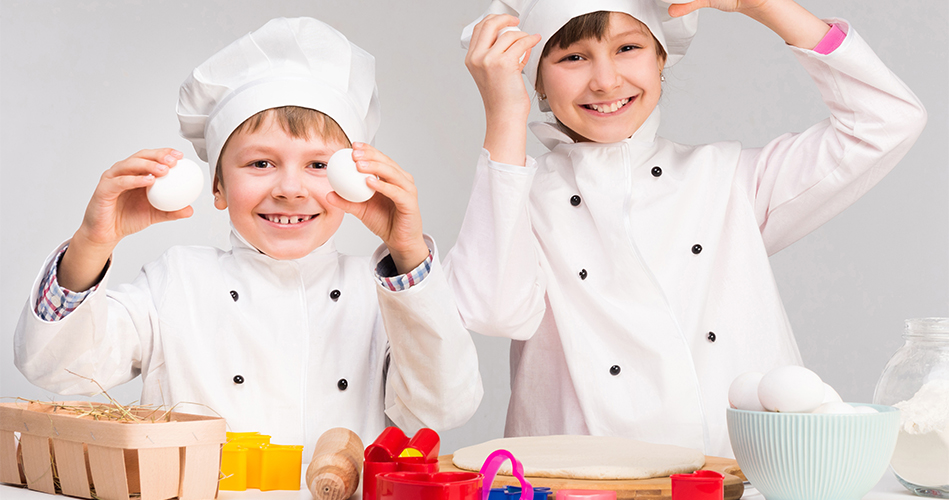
585,457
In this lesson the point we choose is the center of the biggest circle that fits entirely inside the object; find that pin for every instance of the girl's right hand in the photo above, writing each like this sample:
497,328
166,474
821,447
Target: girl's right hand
119,207
495,61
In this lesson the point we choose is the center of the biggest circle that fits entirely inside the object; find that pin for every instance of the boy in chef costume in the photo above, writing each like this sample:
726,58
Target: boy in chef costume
632,272
281,334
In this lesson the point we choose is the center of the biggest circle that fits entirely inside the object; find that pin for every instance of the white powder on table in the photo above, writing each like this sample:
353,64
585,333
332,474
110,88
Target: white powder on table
922,449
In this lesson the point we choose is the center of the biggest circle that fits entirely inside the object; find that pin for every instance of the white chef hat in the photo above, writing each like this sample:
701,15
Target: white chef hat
546,17
287,62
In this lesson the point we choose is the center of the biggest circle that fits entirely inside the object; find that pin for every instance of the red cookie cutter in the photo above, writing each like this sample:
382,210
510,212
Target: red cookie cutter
700,485
450,485
392,451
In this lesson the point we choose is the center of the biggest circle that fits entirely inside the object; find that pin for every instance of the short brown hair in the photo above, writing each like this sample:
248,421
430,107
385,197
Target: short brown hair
294,120
583,27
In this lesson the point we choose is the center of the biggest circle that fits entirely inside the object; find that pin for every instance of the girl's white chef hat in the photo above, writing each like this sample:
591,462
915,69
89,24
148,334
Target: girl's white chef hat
287,62
546,17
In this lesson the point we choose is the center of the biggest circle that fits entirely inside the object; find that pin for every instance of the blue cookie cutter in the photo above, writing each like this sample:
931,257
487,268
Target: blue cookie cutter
512,492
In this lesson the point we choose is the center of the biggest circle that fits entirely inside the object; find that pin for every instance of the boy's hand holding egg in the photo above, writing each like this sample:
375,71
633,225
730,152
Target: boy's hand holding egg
393,216
787,389
120,207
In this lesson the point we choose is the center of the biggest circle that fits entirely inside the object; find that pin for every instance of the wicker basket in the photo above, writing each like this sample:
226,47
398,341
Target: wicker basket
179,456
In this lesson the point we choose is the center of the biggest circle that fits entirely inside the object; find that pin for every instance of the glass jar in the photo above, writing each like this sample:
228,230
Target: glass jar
916,380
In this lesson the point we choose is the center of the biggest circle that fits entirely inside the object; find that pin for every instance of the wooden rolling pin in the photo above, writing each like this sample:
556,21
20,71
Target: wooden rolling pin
333,474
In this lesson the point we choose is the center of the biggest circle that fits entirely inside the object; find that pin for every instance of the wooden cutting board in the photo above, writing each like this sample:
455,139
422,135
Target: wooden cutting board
658,488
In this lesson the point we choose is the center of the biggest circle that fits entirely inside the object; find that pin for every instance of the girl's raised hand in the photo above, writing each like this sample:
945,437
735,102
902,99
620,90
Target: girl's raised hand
392,213
118,208
681,9
790,21
495,60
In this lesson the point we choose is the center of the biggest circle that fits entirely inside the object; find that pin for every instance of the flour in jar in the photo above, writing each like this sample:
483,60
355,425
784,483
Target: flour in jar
922,449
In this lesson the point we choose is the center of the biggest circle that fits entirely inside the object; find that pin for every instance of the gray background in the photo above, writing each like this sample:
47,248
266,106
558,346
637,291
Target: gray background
84,84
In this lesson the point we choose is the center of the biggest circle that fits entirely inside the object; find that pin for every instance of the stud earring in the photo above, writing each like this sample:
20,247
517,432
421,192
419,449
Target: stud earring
543,97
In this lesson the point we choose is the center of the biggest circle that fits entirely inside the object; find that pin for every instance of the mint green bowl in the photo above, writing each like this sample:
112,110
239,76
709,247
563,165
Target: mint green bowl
806,456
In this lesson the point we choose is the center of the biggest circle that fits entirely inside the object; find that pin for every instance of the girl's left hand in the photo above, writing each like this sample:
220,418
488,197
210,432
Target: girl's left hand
790,21
681,9
392,213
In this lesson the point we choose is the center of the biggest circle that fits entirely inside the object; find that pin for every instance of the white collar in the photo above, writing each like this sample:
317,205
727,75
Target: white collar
240,245
553,135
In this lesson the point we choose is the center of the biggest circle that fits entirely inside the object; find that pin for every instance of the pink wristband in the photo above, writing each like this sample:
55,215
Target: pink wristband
831,40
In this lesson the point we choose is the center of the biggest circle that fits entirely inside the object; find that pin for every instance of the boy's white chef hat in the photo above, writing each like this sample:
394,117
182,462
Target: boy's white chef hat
546,17
287,62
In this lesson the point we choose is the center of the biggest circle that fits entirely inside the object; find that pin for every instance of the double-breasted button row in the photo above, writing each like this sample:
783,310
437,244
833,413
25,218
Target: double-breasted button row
334,295
342,384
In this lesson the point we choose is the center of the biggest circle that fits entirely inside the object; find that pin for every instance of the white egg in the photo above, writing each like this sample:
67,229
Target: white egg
348,182
743,393
864,409
178,188
511,28
830,394
837,407
790,389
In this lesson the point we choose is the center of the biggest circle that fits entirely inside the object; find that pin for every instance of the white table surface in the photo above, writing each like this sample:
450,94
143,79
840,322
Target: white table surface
887,489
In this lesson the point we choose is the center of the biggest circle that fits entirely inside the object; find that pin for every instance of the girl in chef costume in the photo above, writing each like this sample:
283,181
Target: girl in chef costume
280,334
632,272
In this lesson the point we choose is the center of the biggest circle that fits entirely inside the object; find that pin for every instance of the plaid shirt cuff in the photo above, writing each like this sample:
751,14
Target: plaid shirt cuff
55,302
388,276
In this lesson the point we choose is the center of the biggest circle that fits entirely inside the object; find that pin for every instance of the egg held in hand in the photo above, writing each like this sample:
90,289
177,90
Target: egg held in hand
791,388
349,183
178,188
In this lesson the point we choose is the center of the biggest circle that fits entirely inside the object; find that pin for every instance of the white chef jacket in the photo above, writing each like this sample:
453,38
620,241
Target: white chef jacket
634,277
309,359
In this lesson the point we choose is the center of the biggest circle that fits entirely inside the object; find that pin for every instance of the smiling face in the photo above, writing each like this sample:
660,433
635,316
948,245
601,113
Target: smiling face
603,89
273,185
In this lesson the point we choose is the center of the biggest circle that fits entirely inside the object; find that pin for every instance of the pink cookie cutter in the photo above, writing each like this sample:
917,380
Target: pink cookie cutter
490,469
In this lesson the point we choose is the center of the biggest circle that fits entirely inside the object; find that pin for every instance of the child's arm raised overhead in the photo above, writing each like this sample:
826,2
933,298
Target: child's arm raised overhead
799,181
118,208
494,267
495,62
